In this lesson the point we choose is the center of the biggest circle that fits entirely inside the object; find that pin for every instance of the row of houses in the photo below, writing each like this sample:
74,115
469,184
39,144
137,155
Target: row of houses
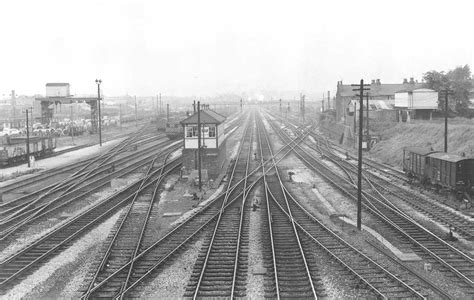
395,101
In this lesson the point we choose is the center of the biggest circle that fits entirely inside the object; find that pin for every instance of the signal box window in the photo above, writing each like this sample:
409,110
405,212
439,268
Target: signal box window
212,131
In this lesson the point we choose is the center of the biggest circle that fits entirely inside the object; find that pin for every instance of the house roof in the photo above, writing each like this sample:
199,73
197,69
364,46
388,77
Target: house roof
58,84
383,89
207,117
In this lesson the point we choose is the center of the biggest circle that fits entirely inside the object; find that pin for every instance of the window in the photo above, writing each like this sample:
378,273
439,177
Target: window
212,131
191,131
205,132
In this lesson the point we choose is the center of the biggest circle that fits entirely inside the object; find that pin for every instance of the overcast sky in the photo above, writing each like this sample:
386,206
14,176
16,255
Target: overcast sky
211,47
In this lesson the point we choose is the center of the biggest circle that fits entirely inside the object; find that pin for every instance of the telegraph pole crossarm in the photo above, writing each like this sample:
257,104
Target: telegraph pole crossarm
362,87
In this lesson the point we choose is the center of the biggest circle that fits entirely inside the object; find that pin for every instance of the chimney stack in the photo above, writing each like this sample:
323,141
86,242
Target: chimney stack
373,81
378,81
405,81
411,80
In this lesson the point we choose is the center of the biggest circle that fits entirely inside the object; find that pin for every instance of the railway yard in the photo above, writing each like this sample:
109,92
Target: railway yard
127,220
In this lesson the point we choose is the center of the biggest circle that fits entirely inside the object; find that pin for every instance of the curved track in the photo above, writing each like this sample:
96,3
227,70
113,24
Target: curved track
424,242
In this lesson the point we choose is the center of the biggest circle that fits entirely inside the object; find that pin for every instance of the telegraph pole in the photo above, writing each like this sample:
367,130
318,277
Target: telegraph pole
161,104
446,92
302,105
98,82
120,116
355,119
367,105
199,144
136,114
72,124
361,90
27,140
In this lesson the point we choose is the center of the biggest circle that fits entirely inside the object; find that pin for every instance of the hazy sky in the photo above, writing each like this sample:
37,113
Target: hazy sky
211,47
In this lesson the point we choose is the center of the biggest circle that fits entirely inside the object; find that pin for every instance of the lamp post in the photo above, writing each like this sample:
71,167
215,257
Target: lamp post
99,81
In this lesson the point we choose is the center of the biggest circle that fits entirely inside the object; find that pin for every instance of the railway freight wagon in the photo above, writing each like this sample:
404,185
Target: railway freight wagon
13,149
439,169
451,171
414,163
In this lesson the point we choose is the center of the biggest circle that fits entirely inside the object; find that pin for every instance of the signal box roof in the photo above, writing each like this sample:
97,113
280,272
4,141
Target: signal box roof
420,150
207,117
449,157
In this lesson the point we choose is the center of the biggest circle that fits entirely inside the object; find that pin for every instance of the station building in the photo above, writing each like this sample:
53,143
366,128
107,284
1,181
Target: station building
213,143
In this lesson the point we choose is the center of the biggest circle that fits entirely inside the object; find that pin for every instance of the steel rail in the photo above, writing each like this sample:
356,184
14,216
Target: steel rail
422,278
45,174
300,247
50,251
142,232
20,208
173,251
121,224
342,241
370,206
43,209
386,203
220,215
241,222
444,216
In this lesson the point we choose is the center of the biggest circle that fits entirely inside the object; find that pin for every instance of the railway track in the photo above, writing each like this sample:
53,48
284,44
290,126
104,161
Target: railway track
221,269
153,256
15,267
74,169
26,213
67,170
125,243
371,279
293,274
424,243
102,166
63,151
461,223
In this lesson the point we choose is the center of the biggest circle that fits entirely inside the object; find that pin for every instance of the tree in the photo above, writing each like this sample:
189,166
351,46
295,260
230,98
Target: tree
459,81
